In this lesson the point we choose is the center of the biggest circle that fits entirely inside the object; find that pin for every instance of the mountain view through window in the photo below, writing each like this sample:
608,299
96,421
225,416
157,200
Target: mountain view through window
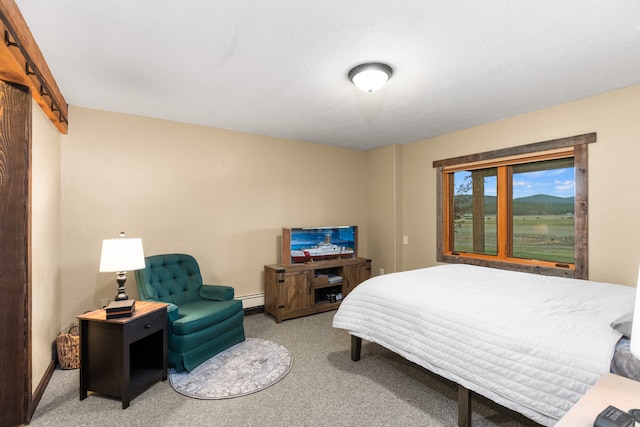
540,208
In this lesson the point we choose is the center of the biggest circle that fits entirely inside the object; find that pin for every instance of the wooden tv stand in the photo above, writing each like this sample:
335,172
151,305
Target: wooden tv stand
312,287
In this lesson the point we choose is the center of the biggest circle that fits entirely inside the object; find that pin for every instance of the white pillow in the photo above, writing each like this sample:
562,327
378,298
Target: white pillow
623,324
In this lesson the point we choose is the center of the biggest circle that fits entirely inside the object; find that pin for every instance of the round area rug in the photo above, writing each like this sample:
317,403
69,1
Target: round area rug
245,368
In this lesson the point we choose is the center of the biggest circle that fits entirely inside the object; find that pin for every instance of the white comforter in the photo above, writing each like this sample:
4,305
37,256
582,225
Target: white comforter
532,343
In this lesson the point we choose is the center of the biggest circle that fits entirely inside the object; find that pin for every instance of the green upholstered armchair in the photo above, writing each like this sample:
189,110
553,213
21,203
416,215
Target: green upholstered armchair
203,319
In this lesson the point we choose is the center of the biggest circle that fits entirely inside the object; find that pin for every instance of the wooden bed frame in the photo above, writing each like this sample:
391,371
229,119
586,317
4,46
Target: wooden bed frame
464,394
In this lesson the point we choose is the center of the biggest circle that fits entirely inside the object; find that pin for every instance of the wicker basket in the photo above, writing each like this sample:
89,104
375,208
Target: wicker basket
68,345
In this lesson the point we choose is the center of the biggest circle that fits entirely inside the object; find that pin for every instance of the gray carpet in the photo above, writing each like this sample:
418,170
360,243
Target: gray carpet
245,368
324,388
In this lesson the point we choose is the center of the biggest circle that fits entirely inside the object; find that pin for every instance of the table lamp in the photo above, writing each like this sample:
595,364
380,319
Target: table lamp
119,256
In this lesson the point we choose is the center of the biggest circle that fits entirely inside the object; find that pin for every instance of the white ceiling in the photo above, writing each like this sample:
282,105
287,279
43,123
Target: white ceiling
279,67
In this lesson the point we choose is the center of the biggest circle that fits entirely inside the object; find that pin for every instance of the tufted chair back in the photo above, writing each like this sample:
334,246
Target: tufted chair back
171,278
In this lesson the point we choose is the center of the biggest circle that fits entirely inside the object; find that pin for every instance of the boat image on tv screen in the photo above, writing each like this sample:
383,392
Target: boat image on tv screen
317,244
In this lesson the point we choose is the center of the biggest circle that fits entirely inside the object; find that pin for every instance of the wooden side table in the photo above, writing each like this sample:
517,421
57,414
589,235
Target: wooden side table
611,389
123,357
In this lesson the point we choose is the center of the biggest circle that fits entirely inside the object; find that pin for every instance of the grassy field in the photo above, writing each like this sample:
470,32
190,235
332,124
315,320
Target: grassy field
543,237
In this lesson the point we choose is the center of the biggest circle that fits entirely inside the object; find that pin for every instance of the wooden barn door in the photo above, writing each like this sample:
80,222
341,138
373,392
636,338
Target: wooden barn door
15,254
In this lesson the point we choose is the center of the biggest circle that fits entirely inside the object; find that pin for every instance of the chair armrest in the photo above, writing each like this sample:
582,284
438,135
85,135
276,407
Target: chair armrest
172,312
217,292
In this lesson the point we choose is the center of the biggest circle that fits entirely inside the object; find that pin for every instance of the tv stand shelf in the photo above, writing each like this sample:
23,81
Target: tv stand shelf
312,287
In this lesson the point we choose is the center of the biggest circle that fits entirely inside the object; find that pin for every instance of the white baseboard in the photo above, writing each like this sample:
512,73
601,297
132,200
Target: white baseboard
249,301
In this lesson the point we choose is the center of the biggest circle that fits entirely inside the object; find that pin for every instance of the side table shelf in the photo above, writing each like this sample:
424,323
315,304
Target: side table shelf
123,357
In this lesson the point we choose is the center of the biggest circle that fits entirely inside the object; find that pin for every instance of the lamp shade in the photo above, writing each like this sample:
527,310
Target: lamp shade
370,77
635,328
121,255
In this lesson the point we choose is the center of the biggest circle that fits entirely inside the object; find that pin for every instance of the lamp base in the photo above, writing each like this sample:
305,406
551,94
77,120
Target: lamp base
121,293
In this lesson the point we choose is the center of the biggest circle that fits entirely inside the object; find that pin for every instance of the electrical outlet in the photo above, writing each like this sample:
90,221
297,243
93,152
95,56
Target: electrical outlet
405,240
381,271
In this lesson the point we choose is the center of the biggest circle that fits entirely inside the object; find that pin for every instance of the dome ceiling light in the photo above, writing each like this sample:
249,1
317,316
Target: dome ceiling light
371,76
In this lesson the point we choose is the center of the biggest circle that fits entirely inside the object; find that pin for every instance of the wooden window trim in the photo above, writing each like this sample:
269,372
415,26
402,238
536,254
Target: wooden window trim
575,146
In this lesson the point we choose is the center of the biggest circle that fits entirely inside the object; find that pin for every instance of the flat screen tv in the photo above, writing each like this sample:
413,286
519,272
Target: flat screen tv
312,244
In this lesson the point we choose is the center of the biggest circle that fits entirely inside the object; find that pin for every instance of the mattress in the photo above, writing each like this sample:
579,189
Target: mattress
532,343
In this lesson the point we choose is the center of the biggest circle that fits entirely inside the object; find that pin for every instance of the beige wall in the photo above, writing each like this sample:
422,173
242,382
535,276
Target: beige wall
45,242
224,197
614,253
221,196
384,206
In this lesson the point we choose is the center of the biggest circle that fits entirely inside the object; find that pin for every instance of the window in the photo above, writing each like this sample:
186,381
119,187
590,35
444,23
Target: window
522,208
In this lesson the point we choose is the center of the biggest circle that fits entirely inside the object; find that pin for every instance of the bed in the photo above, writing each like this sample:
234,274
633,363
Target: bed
534,344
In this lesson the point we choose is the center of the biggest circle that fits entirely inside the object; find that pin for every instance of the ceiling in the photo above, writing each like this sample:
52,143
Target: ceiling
279,67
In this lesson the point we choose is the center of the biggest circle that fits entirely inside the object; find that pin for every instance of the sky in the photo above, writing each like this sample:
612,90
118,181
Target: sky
554,182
